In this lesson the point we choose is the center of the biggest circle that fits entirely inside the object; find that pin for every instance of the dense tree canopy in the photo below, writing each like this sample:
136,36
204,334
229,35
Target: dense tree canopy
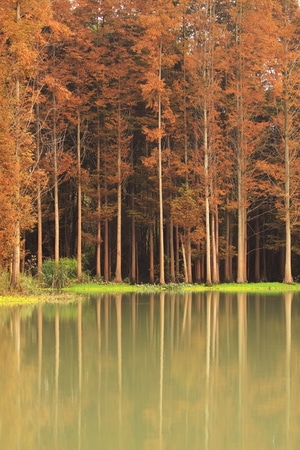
154,141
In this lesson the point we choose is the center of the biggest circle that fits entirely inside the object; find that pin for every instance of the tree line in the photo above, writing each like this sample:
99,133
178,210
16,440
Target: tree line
152,141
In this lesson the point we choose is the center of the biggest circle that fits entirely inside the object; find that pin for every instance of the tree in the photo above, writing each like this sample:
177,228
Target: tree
20,33
136,114
54,114
252,28
186,214
290,113
118,95
157,44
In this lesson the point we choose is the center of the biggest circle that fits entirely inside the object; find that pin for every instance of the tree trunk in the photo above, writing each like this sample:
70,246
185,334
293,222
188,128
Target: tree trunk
241,188
257,274
39,198
228,256
186,277
98,244
198,264
16,257
207,206
151,254
133,248
107,268
55,187
288,277
172,258
118,273
215,246
177,262
242,217
160,189
15,267
207,138
189,258
79,205
106,251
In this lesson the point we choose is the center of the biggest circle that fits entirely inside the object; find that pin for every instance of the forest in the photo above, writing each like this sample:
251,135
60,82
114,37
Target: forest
154,141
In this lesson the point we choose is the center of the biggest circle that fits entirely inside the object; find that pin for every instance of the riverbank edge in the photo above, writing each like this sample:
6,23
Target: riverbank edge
102,288
66,294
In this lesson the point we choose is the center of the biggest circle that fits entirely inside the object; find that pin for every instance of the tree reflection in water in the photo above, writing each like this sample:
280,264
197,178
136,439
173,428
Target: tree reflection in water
168,371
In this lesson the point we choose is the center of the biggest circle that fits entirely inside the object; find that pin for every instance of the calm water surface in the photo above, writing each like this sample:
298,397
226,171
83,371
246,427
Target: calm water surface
153,372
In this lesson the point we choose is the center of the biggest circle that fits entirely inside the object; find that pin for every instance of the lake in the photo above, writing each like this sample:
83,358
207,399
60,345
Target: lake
164,371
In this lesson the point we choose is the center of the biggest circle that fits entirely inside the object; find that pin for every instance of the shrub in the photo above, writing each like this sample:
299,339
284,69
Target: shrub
59,275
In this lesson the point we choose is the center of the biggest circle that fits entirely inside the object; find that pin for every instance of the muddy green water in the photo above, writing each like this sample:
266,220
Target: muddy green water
196,371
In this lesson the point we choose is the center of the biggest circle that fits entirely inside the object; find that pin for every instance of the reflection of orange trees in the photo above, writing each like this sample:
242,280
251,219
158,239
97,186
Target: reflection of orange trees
247,380
27,381
191,371
266,403
16,420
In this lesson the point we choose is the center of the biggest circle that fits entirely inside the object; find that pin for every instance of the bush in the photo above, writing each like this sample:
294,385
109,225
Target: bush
59,275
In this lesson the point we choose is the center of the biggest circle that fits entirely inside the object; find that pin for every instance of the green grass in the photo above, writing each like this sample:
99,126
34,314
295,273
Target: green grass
23,299
254,287
12,300
31,292
108,288
29,297
91,288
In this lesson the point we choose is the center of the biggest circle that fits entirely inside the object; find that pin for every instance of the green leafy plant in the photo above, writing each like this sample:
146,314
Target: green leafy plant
59,275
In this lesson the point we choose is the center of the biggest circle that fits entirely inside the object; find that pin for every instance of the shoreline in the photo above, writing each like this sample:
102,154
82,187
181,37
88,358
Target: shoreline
66,294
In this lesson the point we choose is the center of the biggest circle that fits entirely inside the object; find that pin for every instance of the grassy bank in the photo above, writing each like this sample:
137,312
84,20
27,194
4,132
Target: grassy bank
92,288
16,299
39,295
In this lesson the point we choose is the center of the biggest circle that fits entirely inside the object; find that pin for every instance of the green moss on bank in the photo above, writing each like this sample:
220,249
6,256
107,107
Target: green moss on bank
23,299
92,288
71,293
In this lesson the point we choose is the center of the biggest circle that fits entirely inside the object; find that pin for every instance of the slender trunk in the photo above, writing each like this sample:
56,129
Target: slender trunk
16,254
39,232
160,189
167,250
189,258
185,106
133,233
288,277
133,248
98,245
242,217
257,275
198,264
177,263
206,141
107,270
207,206
215,246
186,277
39,199
151,254
228,256
172,261
118,274
106,251
264,256
55,175
79,205
16,257
241,188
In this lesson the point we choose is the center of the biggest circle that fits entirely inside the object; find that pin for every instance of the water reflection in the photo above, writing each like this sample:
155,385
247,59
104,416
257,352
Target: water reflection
288,328
162,371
